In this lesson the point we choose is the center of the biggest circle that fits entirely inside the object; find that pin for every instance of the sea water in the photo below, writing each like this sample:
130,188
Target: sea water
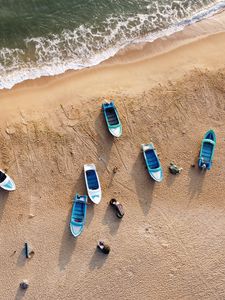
48,37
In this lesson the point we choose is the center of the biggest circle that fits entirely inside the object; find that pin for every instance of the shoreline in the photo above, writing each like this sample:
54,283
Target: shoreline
131,72
141,50
191,33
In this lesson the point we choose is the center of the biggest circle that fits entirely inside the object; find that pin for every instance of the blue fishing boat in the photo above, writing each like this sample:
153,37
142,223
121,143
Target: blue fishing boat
152,162
78,216
92,183
112,119
6,182
207,150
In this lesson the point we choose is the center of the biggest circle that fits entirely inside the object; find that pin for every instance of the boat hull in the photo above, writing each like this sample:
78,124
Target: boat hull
152,162
157,176
76,230
7,184
207,150
116,132
112,119
92,183
78,215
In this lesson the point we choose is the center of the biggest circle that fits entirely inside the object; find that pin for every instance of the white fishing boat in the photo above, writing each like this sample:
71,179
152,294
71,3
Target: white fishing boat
92,183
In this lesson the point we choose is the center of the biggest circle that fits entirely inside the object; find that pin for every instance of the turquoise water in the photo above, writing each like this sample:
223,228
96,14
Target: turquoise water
47,37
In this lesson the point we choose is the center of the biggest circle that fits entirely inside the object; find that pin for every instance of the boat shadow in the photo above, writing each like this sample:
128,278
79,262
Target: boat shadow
111,220
68,244
104,140
97,260
3,198
197,177
90,213
144,185
79,186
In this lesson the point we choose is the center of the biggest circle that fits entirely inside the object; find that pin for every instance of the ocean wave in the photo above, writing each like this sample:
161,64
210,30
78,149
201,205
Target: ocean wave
89,46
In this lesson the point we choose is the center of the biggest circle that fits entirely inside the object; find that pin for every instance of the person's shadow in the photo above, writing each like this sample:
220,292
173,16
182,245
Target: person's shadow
19,294
111,220
97,260
144,185
21,260
170,178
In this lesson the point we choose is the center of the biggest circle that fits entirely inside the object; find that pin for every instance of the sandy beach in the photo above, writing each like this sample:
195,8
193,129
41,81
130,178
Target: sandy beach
170,243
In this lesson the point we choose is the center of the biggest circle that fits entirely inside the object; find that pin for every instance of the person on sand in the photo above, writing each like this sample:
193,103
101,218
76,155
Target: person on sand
103,247
119,208
174,169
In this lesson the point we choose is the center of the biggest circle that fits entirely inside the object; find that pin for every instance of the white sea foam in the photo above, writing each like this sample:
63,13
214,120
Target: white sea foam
85,47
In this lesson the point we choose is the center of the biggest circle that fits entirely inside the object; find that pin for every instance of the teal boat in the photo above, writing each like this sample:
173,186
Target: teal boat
78,216
207,150
112,118
152,162
6,182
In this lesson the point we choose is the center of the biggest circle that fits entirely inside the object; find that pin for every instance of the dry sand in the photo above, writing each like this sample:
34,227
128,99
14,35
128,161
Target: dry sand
170,243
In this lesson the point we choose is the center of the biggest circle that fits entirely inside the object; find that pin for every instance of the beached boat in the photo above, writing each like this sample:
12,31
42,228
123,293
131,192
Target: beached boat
207,150
78,216
152,162
112,119
6,182
92,183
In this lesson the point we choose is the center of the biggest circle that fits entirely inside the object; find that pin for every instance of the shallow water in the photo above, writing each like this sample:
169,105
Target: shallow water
47,37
